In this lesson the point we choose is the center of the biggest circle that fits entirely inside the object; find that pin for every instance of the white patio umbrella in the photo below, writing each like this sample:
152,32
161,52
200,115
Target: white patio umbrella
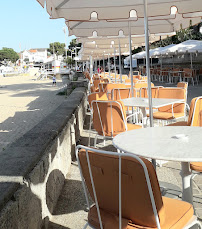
120,42
189,46
116,9
170,23
113,28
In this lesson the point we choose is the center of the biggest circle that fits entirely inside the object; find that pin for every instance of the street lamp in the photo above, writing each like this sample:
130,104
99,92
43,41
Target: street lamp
64,30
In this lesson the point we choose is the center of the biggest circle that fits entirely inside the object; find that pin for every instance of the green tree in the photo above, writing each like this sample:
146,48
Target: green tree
8,54
73,44
57,48
69,60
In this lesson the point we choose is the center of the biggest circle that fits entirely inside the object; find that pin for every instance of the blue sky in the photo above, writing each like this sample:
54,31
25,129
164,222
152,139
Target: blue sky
25,22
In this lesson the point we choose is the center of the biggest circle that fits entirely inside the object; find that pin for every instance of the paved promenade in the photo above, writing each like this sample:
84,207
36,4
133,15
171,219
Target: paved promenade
24,102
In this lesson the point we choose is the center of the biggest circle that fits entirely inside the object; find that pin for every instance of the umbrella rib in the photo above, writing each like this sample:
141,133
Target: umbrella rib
77,24
61,4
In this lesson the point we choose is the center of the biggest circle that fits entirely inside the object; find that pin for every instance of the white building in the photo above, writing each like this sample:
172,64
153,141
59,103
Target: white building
35,55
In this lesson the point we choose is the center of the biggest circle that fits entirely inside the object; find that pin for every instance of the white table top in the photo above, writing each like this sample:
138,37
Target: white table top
173,143
144,102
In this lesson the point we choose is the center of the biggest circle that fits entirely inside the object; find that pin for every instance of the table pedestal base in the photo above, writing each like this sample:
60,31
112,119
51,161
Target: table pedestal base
186,183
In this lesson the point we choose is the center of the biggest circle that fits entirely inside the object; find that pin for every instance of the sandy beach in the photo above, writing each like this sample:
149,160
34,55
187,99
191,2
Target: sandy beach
24,102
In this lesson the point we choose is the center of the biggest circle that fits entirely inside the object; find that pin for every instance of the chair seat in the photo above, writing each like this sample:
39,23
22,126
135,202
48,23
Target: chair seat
178,124
167,115
130,126
133,126
196,166
177,215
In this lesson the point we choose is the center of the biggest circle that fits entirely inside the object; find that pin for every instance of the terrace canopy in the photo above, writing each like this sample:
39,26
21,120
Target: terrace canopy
116,9
166,15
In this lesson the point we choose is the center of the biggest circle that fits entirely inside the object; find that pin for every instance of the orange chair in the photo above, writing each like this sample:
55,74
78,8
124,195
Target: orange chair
171,112
183,85
126,193
194,118
111,86
109,119
121,93
128,81
140,85
96,82
96,96
144,92
189,74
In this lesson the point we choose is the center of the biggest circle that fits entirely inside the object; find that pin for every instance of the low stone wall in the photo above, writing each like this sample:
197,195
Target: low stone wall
33,169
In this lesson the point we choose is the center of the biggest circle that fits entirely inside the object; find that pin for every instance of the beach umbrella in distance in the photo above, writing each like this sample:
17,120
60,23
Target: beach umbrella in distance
189,46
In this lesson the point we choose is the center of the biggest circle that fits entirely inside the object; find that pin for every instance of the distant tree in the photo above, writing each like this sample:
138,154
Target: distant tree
73,44
8,54
57,48
69,60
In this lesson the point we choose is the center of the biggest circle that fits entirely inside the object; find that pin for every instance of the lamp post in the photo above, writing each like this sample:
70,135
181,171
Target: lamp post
64,30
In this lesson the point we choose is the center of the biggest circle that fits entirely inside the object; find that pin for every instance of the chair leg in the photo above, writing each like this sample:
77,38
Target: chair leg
95,141
104,142
90,125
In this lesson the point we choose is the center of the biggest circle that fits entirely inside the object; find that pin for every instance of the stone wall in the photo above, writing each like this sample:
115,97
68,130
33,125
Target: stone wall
33,169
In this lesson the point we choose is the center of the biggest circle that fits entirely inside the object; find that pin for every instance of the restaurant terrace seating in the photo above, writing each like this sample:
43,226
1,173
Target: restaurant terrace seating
109,119
124,187
171,112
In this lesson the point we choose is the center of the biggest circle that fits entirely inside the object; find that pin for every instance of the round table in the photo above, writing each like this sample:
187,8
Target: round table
169,143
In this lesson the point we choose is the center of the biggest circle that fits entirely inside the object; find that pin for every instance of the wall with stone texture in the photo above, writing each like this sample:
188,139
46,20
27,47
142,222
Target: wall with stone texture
33,169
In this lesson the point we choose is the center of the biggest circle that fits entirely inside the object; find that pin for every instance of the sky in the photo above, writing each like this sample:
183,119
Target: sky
25,25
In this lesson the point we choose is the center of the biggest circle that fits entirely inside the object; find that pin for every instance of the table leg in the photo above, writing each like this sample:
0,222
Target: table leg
144,114
186,183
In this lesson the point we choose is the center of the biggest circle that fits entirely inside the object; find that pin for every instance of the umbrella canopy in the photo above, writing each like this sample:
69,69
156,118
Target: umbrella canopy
190,46
97,51
152,52
105,42
116,9
156,25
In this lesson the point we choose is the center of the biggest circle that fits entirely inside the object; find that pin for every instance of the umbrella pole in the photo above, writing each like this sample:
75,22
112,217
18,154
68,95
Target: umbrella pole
91,67
191,60
131,67
104,64
148,71
96,66
147,63
109,65
120,70
115,63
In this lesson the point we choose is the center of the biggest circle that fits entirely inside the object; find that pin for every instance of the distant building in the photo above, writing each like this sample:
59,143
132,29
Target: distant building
35,55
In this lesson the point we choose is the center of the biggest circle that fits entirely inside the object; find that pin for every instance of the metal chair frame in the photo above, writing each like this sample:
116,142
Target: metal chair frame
192,222
100,119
